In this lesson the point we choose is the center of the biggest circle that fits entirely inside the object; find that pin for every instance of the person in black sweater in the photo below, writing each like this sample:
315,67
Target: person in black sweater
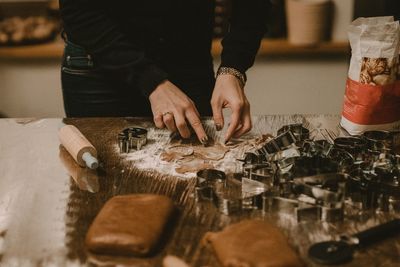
152,58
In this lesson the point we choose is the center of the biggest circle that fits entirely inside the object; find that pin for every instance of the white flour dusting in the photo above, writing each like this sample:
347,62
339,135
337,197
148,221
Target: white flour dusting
148,159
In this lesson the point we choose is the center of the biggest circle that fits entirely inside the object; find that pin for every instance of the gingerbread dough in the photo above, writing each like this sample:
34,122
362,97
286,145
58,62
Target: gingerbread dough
191,156
176,152
252,243
130,225
192,164
214,152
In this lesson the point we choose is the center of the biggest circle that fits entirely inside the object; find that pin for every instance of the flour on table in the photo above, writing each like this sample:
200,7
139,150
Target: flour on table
152,158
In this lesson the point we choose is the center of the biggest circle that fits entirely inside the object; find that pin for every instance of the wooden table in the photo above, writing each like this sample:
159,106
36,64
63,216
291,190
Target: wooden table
44,213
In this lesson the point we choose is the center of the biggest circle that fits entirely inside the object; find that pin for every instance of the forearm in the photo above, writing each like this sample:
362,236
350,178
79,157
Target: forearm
247,28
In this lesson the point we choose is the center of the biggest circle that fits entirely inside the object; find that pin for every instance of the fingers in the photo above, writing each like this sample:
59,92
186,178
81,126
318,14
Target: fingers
217,115
194,120
235,121
169,121
158,121
245,120
182,126
195,110
176,121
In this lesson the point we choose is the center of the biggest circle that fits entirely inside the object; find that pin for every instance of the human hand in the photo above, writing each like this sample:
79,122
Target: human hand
229,94
173,109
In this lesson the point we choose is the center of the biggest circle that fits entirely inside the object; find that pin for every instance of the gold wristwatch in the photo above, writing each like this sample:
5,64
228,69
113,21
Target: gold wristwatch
232,71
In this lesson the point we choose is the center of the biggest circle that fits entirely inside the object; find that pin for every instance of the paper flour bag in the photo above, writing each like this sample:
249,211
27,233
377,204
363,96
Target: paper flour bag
372,96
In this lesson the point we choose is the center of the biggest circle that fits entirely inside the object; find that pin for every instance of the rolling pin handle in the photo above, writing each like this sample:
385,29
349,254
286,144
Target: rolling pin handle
90,161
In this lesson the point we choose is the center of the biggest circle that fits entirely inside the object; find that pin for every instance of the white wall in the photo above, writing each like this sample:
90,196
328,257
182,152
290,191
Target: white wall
30,89
275,86
303,86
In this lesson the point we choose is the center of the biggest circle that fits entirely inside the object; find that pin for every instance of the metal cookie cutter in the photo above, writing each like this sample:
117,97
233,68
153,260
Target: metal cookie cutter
325,189
302,211
378,140
343,159
213,186
251,158
264,175
306,166
229,206
209,181
354,145
319,197
362,189
389,191
281,142
248,169
285,139
132,138
319,147
298,130
251,162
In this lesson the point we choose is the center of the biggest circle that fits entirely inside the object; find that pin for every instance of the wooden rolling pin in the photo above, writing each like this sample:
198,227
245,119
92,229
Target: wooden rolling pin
86,179
78,146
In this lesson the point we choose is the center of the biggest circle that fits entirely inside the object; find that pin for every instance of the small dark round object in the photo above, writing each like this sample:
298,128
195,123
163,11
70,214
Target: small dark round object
331,252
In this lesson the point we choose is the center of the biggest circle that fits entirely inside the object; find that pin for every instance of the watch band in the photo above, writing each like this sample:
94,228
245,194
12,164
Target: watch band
232,71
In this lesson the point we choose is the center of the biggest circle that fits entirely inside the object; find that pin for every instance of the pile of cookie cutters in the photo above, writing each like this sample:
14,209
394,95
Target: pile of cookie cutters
311,179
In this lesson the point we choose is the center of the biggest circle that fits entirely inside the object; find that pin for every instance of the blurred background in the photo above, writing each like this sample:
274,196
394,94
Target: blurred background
301,67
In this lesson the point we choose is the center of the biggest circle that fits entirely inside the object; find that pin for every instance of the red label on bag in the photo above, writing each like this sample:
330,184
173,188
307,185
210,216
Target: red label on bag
371,104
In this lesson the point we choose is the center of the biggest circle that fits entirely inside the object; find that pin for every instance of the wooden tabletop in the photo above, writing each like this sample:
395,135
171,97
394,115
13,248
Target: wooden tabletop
45,213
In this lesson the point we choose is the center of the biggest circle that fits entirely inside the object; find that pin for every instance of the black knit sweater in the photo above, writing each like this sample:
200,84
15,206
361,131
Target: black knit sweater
144,42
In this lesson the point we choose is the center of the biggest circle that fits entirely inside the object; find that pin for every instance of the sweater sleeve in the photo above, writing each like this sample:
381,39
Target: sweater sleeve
246,29
87,23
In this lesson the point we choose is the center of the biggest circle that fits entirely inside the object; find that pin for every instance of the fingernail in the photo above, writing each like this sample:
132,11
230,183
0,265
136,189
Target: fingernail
204,140
218,127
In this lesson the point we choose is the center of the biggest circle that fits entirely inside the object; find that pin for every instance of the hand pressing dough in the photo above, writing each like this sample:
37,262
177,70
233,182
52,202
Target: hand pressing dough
252,243
130,225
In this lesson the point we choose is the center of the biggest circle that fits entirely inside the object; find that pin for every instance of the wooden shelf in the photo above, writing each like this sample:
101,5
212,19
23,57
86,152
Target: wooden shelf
269,47
52,50
274,47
